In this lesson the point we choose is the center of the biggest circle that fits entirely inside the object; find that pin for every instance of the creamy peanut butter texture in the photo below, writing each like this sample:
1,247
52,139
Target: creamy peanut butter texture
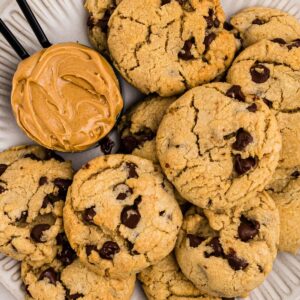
66,97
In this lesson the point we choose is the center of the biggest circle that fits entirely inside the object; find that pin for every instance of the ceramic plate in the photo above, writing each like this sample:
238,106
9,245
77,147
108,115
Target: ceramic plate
65,20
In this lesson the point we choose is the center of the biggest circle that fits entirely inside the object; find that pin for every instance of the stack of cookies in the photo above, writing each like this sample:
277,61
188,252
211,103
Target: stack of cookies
188,203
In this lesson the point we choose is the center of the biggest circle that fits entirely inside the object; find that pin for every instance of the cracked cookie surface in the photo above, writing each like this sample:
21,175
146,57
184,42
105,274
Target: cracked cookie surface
281,91
121,215
166,281
139,126
228,255
254,24
167,47
99,13
216,145
72,280
33,188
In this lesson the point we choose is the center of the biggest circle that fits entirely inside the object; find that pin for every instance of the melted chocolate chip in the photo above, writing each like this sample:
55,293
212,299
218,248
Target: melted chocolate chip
217,248
258,22
243,139
3,168
295,174
228,26
229,136
123,190
217,23
295,44
90,248
130,216
164,2
67,255
2,189
235,262
75,296
63,186
106,145
50,199
252,108
248,229
23,217
195,240
268,102
185,52
43,180
128,144
209,19
162,213
51,275
130,247
236,92
242,166
259,73
109,250
132,170
37,232
89,214
32,156
137,201
146,134
209,39
279,41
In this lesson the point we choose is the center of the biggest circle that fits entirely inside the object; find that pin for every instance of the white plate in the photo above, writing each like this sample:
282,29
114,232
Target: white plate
65,20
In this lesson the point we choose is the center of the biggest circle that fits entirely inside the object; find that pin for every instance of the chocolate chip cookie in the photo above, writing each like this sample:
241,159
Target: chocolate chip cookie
33,187
228,255
272,71
121,215
254,24
99,15
216,144
139,126
166,281
169,46
60,280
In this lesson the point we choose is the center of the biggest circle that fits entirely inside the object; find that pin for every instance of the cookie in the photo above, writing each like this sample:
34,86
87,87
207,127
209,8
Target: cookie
254,24
228,255
121,215
216,145
168,46
139,126
272,71
33,188
72,280
166,281
99,15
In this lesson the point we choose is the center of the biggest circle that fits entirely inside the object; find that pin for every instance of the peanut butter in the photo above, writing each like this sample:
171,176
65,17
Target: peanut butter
66,97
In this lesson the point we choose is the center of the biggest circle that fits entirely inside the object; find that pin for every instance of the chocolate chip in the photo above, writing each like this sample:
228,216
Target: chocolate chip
195,240
63,186
109,250
162,213
248,229
130,247
37,232
23,217
295,44
258,22
229,136
279,41
260,268
128,144
259,73
2,189
90,248
243,139
242,166
3,168
228,26
145,134
132,170
235,92
138,200
130,216
50,274
164,2
235,262
106,145
43,180
123,191
217,248
209,39
32,157
209,19
66,255
295,174
252,108
75,296
185,52
61,238
89,214
50,199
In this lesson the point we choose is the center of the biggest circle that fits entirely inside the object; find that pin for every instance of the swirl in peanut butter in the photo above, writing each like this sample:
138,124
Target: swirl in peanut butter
66,97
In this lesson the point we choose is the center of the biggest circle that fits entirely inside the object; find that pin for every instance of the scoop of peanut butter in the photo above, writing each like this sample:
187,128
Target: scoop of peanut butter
66,97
